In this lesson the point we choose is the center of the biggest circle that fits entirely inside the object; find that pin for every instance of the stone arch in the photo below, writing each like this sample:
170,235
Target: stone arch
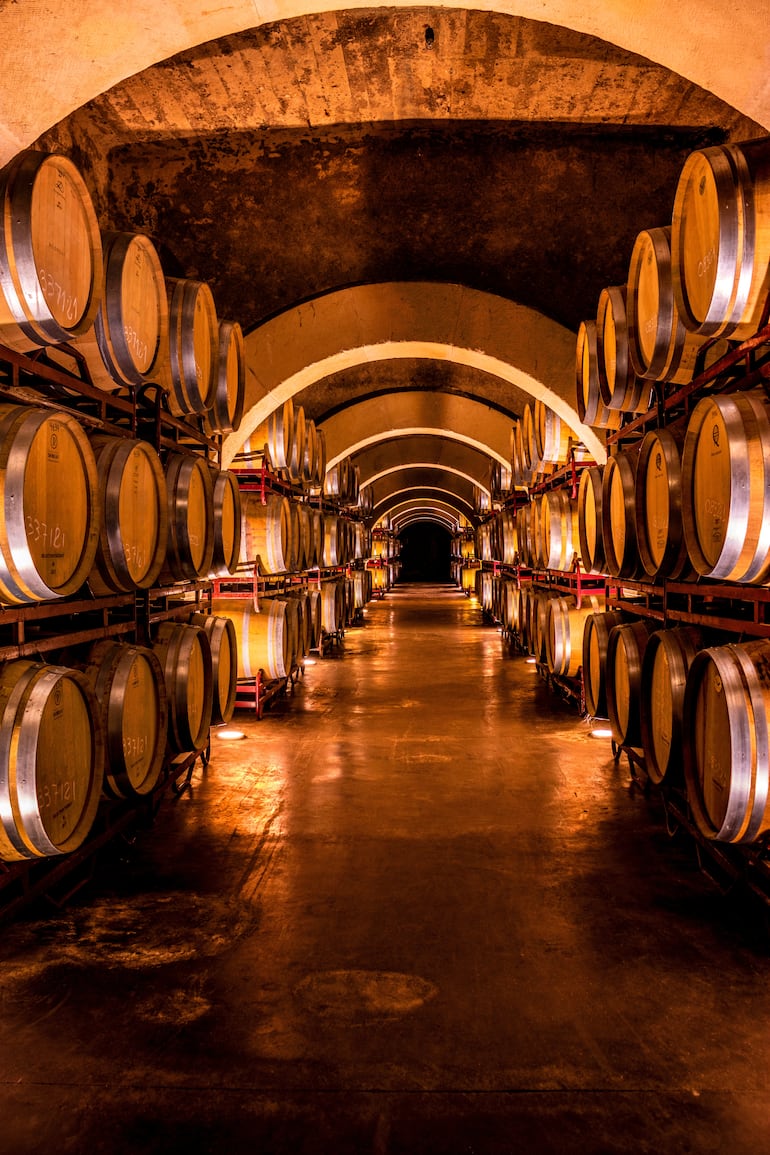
61,62
366,323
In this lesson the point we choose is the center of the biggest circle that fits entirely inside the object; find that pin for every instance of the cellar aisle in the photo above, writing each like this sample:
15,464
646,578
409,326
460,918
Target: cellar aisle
419,909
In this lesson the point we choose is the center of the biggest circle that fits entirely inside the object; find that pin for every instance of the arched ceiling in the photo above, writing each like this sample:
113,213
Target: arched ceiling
410,234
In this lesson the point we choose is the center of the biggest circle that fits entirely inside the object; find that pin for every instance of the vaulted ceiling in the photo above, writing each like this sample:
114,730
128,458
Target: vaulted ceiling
408,209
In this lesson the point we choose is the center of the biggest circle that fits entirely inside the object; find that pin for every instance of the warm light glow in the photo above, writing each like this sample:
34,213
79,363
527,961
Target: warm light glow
601,732
309,662
229,735
531,661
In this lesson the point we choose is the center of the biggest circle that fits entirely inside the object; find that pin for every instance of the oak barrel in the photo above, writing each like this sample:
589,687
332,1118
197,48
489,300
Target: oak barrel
726,742
229,390
264,635
596,636
128,683
565,627
226,505
223,643
134,529
667,660
190,492
658,504
553,437
131,326
726,487
187,364
266,533
661,347
185,657
50,512
621,554
618,383
51,760
720,238
50,252
590,406
625,655
558,526
589,515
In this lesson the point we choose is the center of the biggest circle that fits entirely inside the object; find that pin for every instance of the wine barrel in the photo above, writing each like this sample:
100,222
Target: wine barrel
229,387
226,505
309,453
332,607
134,530
307,547
50,252
590,406
185,657
623,678
266,533
727,761
131,326
540,613
265,641
51,760
127,682
596,636
50,513
720,239
296,464
658,504
187,364
553,437
565,627
335,549
726,487
618,383
661,347
295,559
362,587
589,514
190,492
558,529
223,644
320,472
621,554
667,660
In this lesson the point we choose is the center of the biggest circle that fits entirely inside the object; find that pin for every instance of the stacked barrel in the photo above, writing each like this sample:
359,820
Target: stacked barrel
104,515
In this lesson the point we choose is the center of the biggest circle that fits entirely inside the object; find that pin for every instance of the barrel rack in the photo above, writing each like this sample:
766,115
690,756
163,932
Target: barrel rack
48,627
730,611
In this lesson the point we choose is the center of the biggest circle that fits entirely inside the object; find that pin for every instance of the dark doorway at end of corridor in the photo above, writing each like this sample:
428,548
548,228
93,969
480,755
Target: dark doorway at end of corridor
425,553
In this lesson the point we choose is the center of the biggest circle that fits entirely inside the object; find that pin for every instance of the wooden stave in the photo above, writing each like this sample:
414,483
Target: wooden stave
739,175
590,488
674,560
180,564
741,674
296,457
25,690
110,572
620,469
20,579
679,647
192,312
174,646
744,555
108,668
228,394
633,637
263,641
223,643
22,326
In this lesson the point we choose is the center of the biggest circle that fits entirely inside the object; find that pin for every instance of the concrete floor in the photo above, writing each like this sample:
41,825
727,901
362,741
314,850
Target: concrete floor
418,910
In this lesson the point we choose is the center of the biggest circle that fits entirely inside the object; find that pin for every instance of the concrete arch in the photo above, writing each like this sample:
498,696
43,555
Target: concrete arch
426,518
412,465
402,452
61,61
379,322
412,478
444,496
426,506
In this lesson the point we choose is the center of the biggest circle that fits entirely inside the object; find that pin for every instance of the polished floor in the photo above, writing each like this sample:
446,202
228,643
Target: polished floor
417,910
